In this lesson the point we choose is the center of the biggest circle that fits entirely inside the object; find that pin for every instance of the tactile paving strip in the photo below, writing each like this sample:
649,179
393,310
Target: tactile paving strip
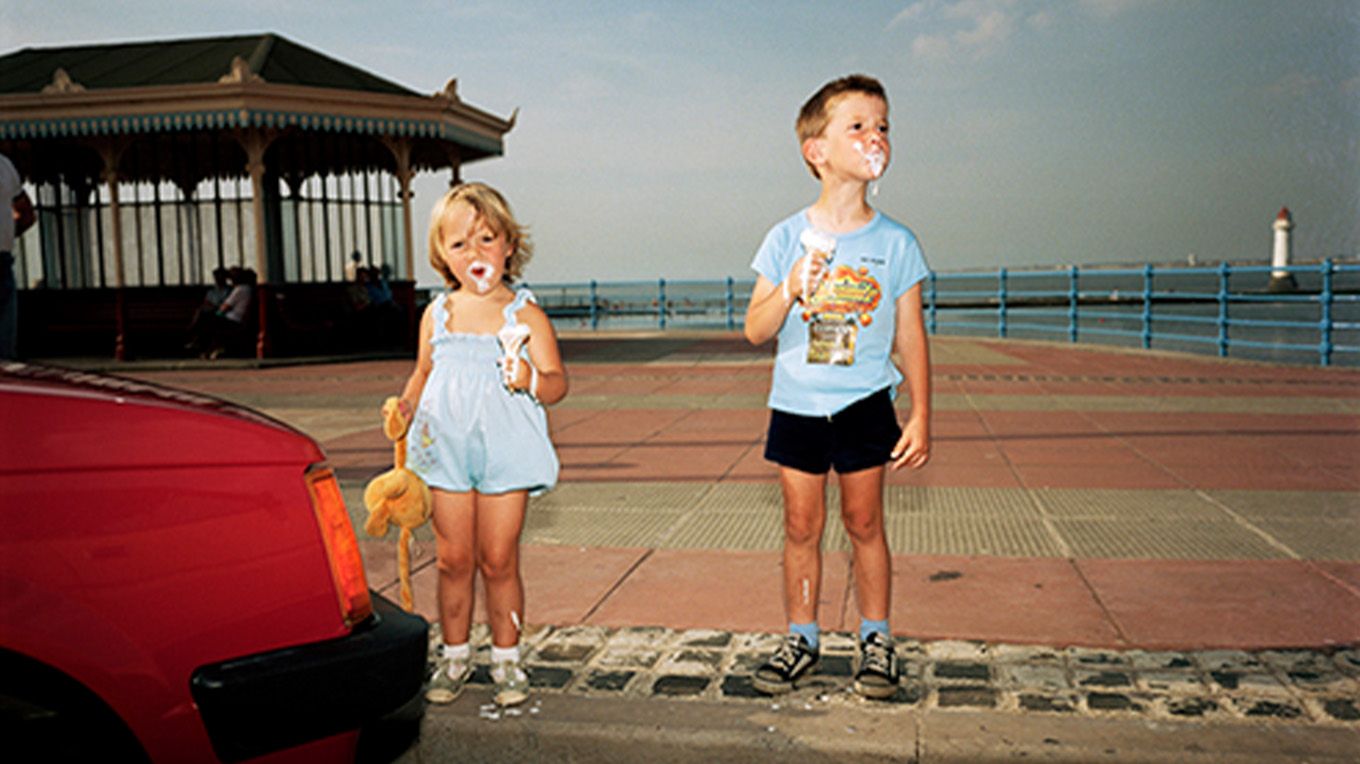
622,497
1292,505
1317,539
598,527
991,502
1158,539
970,534
1112,504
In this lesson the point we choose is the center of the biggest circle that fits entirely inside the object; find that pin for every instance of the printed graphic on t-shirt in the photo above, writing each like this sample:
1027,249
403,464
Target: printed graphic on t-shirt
848,294
831,340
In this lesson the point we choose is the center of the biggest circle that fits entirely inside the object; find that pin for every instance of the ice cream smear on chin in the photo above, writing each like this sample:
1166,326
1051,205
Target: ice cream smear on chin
874,157
814,243
512,339
481,273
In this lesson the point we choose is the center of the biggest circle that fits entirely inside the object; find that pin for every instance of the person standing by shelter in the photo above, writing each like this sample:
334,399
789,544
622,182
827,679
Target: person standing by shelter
12,225
839,286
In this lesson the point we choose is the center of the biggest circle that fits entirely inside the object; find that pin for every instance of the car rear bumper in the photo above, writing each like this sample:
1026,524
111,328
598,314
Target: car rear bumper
261,703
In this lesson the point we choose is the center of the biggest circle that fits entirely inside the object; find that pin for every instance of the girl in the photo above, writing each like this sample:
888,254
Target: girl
479,437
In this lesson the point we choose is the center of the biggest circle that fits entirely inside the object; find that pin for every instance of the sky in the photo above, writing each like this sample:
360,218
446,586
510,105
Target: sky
655,139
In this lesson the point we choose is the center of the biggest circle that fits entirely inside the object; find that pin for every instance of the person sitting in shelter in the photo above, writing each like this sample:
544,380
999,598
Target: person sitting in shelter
228,324
212,300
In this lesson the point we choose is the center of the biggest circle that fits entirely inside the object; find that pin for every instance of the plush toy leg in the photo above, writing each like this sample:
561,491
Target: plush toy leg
404,569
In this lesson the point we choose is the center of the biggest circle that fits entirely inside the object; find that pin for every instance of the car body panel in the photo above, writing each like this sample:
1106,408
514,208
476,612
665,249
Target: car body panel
146,533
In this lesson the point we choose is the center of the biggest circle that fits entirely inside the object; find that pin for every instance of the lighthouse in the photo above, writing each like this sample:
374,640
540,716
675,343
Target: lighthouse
1281,280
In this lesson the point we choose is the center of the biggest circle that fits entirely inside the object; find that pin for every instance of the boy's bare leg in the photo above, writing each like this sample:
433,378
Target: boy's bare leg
500,518
454,519
862,513
804,518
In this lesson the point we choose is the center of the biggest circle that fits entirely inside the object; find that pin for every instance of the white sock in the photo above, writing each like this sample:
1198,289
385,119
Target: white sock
500,654
455,652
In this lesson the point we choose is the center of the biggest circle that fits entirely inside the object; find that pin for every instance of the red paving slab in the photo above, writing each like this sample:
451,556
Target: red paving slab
1201,604
708,588
562,584
997,599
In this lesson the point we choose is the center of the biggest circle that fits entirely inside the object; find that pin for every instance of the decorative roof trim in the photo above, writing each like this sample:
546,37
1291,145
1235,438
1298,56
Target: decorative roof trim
227,119
251,103
239,72
62,83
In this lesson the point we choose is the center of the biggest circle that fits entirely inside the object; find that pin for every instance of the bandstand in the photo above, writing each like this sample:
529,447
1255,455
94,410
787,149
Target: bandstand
151,164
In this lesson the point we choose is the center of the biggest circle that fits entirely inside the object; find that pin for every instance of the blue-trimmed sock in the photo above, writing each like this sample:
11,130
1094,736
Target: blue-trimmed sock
809,631
867,627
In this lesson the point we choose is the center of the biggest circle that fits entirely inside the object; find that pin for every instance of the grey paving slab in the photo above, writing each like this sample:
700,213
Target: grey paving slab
1156,539
1137,505
965,534
962,500
1292,505
599,527
1316,539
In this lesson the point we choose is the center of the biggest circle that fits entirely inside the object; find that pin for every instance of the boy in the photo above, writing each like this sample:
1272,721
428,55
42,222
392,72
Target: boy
839,284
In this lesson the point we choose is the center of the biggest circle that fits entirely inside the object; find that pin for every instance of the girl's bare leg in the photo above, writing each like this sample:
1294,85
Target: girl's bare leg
454,519
500,518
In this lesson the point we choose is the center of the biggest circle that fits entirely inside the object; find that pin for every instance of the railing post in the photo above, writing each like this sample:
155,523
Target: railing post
661,302
1147,307
1072,295
594,304
731,306
1325,321
1001,303
930,302
1224,270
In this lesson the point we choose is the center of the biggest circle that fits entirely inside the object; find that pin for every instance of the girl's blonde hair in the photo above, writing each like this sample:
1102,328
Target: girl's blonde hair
490,207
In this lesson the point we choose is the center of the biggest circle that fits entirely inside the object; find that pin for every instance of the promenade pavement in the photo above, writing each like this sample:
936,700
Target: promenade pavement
1113,554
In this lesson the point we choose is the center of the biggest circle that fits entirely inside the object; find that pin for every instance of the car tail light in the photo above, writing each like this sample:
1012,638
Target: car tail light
342,548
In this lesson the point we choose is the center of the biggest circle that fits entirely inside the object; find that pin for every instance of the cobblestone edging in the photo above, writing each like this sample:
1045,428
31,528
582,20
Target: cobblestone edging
1288,686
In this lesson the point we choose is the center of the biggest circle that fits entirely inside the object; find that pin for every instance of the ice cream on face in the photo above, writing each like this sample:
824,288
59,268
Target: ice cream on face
874,157
483,274
818,244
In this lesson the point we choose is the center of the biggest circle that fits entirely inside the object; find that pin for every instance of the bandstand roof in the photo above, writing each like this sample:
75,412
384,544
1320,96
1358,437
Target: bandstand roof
197,87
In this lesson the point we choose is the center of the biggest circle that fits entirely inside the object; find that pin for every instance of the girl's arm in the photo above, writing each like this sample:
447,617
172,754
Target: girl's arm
415,384
913,358
545,357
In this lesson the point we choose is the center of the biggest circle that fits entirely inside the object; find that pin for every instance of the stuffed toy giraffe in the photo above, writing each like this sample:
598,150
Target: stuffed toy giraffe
398,496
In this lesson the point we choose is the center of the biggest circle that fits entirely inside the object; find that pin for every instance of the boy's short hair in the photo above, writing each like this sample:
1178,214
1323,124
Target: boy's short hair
490,207
816,113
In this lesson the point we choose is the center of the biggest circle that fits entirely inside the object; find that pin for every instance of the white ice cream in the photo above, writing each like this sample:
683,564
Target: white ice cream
512,339
875,158
814,241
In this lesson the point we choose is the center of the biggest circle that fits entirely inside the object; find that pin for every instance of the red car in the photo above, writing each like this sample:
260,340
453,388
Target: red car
180,581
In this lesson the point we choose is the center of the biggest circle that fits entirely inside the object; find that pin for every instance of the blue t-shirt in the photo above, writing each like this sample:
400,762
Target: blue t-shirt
870,268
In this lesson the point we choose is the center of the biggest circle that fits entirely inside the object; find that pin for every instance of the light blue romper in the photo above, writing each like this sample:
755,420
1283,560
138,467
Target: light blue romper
469,432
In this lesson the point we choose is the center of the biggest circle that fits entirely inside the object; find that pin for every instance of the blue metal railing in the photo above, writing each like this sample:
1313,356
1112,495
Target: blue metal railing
1226,310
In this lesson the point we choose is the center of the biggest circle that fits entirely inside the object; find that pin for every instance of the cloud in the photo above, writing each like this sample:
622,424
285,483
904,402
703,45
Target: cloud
1107,9
947,28
1292,84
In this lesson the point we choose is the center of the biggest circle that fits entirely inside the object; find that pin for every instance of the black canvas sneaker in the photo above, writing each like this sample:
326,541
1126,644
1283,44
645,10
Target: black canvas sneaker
878,670
789,663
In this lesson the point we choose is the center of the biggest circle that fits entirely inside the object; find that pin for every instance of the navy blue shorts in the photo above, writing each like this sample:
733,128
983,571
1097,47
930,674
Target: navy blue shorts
857,437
